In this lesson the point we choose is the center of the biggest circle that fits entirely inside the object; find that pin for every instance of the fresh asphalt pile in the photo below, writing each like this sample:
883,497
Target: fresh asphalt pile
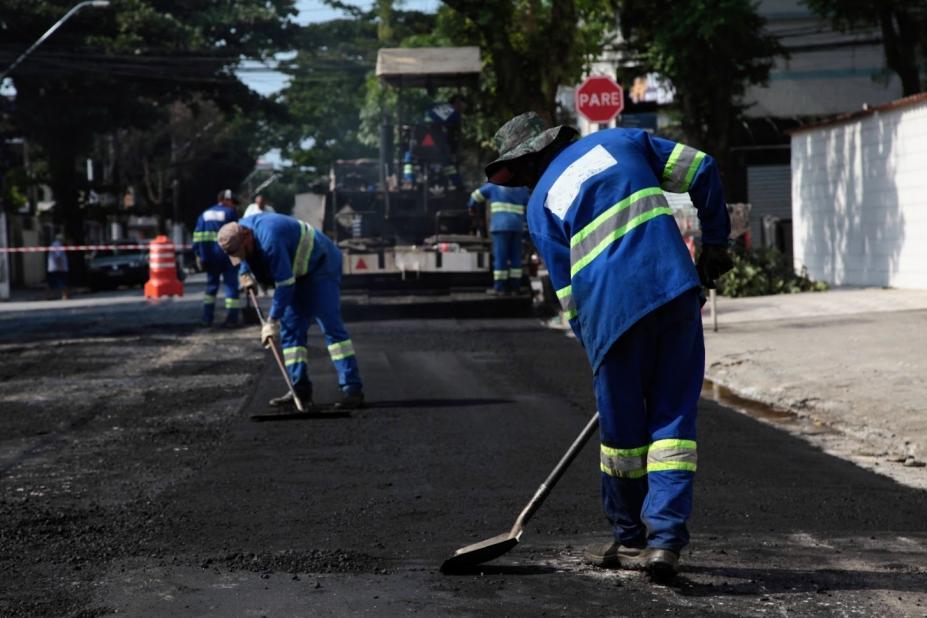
134,481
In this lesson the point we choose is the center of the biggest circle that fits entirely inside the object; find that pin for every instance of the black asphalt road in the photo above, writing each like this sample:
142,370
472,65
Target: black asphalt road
353,515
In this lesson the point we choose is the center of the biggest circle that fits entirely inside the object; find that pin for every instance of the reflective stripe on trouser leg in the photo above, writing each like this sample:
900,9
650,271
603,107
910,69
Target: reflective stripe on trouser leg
232,302
321,294
514,242
500,260
209,296
672,404
294,333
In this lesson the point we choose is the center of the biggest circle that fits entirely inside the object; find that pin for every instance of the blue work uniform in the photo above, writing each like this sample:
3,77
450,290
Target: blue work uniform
216,263
506,224
625,280
304,267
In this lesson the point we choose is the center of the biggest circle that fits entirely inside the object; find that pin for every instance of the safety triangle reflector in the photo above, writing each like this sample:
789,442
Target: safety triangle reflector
428,140
361,264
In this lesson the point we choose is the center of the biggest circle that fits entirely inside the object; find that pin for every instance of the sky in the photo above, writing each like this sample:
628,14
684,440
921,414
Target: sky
269,81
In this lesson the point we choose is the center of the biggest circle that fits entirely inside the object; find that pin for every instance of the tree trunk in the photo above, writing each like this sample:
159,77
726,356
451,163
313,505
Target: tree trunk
900,39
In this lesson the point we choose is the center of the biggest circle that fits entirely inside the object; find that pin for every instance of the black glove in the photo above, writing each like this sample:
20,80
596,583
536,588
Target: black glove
712,263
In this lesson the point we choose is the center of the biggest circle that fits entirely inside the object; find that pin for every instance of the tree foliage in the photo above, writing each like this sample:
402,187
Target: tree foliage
711,51
121,67
903,24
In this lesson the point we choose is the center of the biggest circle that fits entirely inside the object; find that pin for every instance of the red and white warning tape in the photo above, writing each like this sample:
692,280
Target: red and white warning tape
79,248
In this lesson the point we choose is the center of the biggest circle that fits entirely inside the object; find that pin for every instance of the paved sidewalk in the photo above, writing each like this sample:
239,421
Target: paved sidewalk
850,364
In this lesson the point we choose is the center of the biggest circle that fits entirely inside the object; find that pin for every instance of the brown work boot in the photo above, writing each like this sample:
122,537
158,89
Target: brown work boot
351,400
661,564
614,555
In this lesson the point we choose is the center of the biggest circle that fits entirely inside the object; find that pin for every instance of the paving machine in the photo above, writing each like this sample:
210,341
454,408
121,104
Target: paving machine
401,224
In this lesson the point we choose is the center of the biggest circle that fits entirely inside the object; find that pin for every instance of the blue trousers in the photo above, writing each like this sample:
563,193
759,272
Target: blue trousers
229,278
318,298
647,390
506,260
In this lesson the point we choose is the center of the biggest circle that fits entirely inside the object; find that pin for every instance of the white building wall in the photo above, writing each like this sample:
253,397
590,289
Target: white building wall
859,200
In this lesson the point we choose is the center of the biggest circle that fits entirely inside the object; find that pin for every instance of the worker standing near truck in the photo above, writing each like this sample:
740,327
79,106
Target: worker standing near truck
624,278
447,120
304,267
214,261
506,206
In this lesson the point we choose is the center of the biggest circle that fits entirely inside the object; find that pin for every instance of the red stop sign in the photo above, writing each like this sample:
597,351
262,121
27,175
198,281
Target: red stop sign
599,98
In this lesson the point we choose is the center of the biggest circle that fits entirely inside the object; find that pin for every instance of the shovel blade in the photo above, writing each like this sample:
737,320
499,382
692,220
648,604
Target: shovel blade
478,553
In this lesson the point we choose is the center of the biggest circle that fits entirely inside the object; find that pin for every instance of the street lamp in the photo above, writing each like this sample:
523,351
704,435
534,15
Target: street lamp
97,4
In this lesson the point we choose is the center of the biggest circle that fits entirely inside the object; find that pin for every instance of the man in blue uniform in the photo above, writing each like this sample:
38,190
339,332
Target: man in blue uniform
304,267
506,224
600,221
214,261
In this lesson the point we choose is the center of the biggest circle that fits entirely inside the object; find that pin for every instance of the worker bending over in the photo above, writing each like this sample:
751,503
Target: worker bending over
214,261
506,207
304,267
602,225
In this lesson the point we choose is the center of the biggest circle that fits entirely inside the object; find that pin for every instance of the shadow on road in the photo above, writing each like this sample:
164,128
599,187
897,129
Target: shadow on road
436,403
765,581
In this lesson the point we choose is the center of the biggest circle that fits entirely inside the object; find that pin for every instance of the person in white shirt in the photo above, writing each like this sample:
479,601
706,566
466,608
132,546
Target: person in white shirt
58,268
258,205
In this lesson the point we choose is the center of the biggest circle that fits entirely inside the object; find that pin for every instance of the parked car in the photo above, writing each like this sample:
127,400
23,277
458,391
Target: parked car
125,265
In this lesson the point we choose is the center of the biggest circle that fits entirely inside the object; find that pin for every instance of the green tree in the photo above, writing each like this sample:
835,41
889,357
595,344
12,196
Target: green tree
121,67
333,99
529,47
903,24
711,51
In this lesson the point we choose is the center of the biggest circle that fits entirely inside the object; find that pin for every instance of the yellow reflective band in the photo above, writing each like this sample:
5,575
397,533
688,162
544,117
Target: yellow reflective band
477,196
294,355
205,236
565,295
625,452
232,303
671,465
515,209
569,314
627,474
303,250
673,443
289,281
681,168
209,299
500,274
515,273
567,291
341,350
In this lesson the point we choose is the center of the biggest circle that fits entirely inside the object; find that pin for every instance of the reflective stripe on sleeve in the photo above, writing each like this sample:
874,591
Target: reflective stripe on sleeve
672,454
615,222
515,209
565,295
340,350
205,236
289,281
680,169
303,250
625,463
476,196
294,355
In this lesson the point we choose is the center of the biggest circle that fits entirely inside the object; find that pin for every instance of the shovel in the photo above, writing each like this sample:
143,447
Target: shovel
490,549
277,357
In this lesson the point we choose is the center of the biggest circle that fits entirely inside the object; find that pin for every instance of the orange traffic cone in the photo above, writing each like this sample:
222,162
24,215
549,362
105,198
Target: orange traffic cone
162,270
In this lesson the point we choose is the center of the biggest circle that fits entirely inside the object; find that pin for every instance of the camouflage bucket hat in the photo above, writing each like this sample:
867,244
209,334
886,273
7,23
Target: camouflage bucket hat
522,136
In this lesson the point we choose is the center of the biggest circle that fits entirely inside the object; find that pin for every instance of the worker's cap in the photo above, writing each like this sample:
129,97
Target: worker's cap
521,137
232,240
226,194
